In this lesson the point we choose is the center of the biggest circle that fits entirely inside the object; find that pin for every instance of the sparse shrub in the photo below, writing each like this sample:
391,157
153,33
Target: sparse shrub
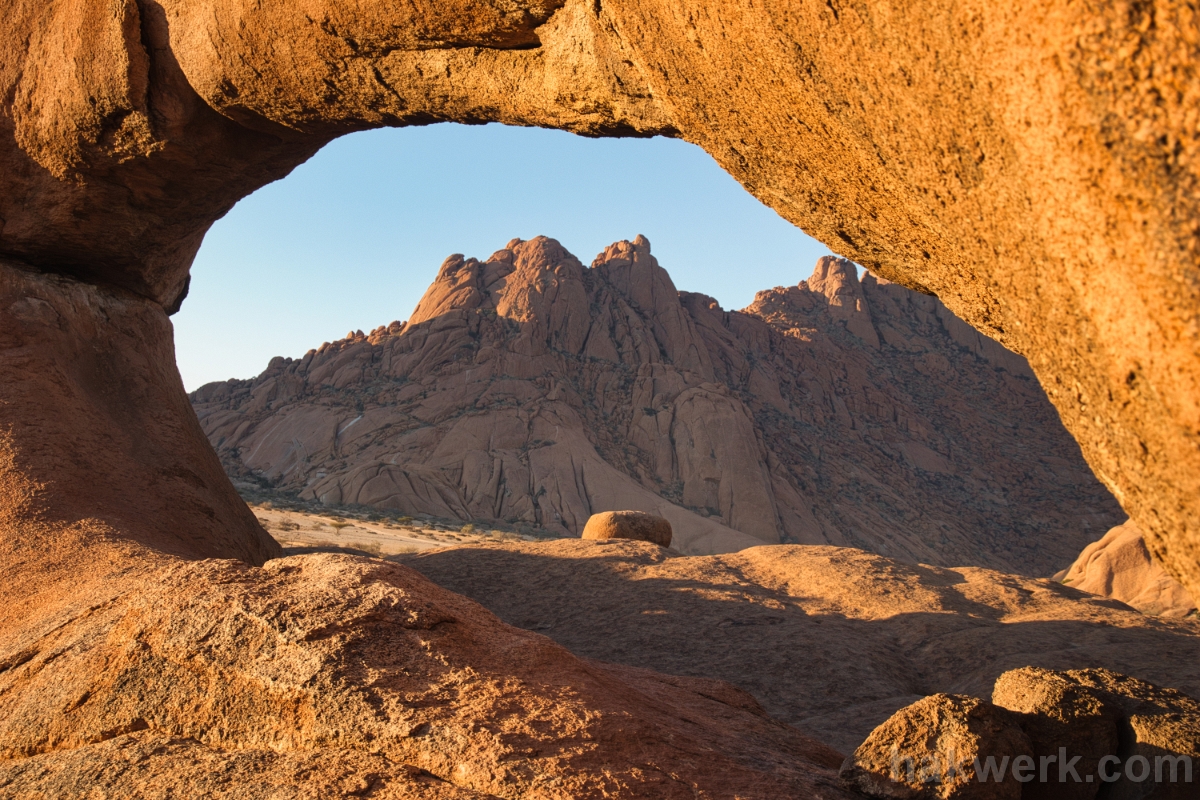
468,528
338,524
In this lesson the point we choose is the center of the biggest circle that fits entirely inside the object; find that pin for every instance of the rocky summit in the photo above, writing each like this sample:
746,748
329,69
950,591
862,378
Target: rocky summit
531,389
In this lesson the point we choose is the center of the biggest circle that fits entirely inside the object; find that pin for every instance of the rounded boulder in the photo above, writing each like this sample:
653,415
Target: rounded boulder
636,525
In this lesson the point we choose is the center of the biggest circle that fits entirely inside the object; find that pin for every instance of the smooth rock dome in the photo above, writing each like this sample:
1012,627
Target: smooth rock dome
628,525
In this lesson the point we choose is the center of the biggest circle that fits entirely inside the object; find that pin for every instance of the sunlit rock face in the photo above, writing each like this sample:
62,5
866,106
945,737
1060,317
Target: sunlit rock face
1033,164
530,389
1119,566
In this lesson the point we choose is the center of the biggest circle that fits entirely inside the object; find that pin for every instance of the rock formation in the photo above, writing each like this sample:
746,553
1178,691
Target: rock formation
928,751
1120,566
94,416
130,671
1077,735
830,640
1032,164
636,525
530,389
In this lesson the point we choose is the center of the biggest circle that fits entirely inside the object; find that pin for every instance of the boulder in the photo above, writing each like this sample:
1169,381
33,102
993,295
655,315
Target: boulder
1159,736
636,525
1068,724
1073,735
942,747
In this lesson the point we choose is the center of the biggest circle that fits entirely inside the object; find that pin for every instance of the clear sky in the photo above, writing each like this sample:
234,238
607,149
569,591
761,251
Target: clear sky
351,239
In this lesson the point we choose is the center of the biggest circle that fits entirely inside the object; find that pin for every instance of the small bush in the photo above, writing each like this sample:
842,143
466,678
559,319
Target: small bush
468,528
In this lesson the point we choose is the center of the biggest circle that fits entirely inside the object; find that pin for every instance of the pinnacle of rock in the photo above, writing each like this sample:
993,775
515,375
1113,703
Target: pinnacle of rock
529,389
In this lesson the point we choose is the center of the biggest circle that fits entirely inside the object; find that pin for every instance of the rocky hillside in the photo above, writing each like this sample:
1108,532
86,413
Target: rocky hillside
531,389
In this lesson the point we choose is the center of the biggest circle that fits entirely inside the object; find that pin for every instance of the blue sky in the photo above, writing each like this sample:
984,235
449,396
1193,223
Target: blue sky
352,238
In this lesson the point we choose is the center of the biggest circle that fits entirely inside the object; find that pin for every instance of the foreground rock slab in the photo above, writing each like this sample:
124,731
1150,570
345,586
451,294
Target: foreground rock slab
337,671
831,640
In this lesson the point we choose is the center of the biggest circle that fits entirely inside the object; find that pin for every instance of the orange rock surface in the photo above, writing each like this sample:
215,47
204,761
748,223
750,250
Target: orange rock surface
1033,164
1119,566
1099,726
101,425
529,389
133,672
636,525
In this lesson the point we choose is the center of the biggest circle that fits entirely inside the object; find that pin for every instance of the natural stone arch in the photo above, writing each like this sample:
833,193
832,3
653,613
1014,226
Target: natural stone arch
1032,163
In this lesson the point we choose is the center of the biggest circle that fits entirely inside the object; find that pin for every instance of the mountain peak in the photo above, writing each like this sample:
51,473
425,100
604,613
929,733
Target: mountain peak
530,389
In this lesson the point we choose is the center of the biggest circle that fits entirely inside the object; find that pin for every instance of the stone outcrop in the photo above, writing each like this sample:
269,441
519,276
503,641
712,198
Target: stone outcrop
830,640
93,415
1121,567
1031,164
929,751
336,676
530,389
636,525
1091,733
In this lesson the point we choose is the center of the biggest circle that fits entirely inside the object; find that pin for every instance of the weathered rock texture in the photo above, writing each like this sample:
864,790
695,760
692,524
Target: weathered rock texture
1077,733
831,640
528,388
1120,566
636,525
1031,163
929,751
91,394
1058,712
130,672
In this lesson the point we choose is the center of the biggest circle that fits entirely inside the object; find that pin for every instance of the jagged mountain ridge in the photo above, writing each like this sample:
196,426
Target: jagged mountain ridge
531,389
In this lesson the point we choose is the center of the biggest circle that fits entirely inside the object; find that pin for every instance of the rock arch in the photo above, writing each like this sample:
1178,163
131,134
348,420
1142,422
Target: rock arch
1033,163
